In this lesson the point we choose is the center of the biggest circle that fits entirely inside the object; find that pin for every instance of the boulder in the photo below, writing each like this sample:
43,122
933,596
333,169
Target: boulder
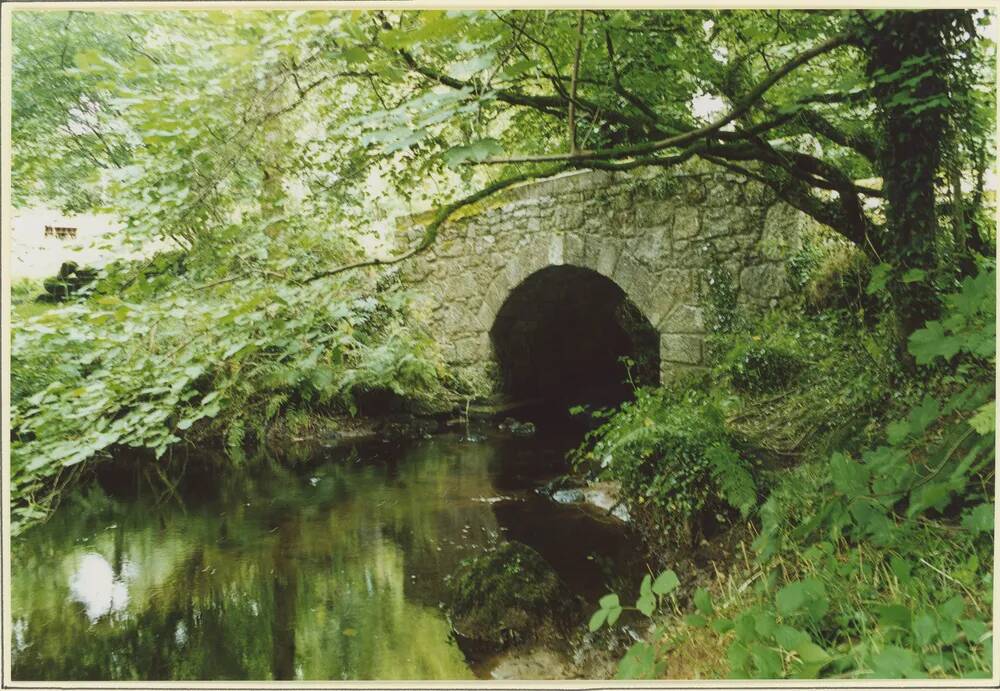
506,595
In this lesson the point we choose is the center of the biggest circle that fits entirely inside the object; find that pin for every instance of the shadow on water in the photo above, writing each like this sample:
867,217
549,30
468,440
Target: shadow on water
332,569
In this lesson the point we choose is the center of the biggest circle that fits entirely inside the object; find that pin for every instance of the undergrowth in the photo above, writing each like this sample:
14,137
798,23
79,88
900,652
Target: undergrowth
206,346
871,549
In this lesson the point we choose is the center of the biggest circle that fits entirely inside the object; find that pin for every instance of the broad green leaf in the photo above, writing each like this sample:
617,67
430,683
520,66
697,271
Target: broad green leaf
608,601
646,604
645,588
597,619
984,421
849,477
703,602
979,519
613,614
666,582
476,151
924,628
640,662
695,620
879,277
894,662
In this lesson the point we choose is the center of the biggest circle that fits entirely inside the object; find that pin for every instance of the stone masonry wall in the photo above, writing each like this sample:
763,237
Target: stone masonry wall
655,233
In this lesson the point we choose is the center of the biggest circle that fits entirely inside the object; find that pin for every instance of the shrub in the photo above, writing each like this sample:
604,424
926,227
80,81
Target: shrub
757,366
678,471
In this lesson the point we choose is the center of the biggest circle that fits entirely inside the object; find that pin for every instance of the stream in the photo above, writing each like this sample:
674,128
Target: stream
332,567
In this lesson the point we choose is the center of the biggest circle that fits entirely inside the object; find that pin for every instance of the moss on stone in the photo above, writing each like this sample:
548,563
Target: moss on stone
506,595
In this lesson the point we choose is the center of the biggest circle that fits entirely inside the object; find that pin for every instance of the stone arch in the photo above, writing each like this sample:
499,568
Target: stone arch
660,236
561,249
560,333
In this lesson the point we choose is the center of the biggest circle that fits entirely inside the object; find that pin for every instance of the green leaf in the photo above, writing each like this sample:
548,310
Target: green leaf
90,60
745,627
765,624
894,616
354,54
476,151
807,596
613,614
640,662
979,519
952,609
879,277
924,628
935,495
703,602
901,568
849,477
666,582
695,620
914,276
646,604
721,626
517,68
645,588
597,619
790,638
974,630
984,421
767,660
895,662
790,599
931,342
608,601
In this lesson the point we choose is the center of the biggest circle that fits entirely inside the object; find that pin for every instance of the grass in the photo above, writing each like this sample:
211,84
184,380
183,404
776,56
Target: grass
23,292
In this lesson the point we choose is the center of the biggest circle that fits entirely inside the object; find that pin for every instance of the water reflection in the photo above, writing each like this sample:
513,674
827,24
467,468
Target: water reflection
95,585
331,571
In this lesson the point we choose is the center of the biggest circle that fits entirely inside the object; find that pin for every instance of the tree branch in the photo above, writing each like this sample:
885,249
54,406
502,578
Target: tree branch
619,88
682,139
431,231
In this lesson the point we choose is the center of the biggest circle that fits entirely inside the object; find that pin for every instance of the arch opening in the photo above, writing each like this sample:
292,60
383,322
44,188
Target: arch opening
562,336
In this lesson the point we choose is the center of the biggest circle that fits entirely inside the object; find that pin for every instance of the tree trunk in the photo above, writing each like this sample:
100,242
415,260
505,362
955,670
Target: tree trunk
907,59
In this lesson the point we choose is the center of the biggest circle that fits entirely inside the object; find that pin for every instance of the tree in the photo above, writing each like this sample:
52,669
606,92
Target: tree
814,105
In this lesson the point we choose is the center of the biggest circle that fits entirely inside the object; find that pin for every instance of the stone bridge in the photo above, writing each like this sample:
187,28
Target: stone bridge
546,286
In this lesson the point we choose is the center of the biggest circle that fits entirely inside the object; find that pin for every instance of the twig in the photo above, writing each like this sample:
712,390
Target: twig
745,104
571,113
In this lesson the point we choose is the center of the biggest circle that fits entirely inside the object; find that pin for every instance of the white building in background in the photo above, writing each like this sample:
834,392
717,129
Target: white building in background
42,239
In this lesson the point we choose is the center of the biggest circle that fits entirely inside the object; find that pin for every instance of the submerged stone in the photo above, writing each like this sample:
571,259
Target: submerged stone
568,496
506,595
517,428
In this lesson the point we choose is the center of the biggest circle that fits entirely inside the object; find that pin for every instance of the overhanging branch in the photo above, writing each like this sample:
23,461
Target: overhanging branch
432,228
685,138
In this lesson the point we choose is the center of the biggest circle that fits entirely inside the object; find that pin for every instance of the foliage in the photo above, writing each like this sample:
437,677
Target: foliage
722,313
830,274
25,289
504,594
810,99
759,366
262,147
871,563
675,464
148,361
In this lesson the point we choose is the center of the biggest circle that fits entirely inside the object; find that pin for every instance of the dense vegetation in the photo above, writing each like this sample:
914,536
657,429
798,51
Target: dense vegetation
871,491
257,156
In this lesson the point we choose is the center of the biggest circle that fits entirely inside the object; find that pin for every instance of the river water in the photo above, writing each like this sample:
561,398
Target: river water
332,567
